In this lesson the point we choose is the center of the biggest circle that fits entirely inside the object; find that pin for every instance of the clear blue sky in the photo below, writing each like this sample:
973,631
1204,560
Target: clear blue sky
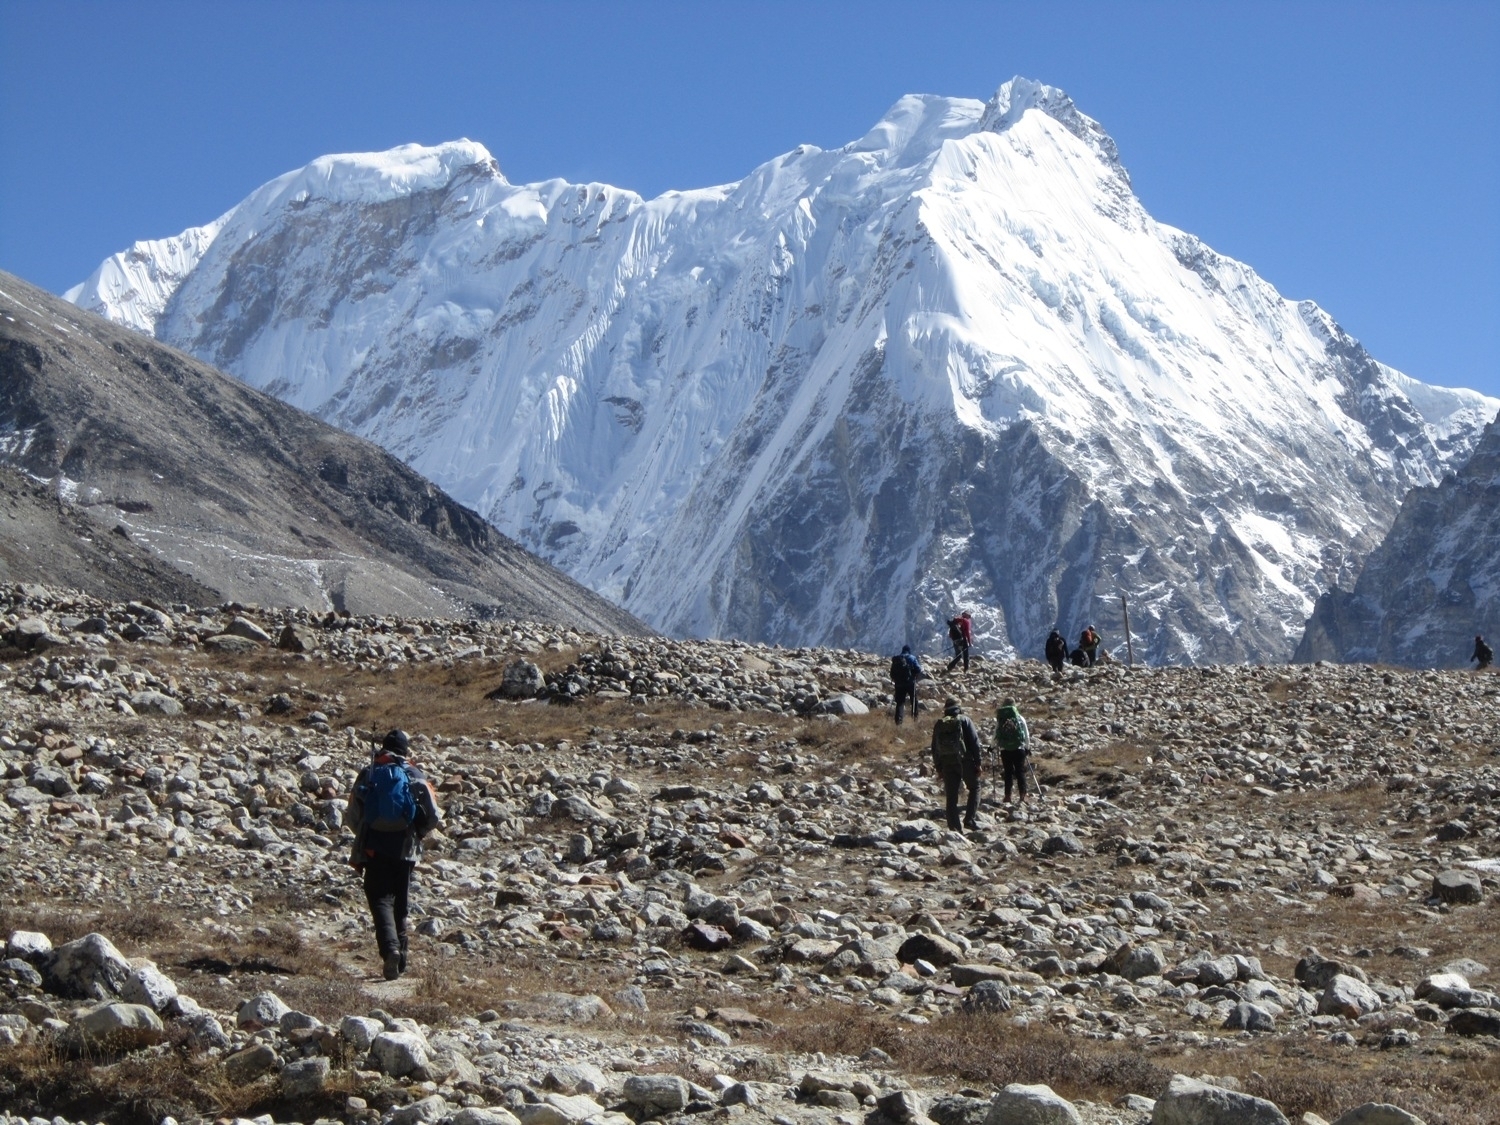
1350,152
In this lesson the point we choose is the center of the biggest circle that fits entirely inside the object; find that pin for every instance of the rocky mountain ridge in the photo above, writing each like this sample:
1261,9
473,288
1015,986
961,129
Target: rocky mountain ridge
953,363
1431,585
156,462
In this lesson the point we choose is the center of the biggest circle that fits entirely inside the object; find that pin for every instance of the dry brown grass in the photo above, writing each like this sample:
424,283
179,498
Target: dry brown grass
141,1089
1454,1087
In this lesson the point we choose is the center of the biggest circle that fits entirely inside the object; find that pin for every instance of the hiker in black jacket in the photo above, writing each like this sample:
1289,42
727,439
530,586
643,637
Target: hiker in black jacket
905,672
1057,651
955,753
391,808
1482,653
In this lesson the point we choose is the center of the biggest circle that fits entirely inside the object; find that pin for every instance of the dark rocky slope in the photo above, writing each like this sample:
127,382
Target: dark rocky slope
241,495
1431,585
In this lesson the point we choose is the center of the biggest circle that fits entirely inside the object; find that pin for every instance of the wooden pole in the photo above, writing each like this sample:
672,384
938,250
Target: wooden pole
1129,647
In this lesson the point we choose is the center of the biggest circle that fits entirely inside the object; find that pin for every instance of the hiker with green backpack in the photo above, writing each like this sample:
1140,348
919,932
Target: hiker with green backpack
1013,740
955,753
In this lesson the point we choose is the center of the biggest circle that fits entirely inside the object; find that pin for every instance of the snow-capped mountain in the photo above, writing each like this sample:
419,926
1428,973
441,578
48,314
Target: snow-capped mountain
952,364
1431,585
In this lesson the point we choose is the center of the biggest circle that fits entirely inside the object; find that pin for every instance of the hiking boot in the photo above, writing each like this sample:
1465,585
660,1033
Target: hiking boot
391,965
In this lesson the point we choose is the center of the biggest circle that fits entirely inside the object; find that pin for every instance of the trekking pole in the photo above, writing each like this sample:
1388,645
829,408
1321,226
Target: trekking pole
1035,784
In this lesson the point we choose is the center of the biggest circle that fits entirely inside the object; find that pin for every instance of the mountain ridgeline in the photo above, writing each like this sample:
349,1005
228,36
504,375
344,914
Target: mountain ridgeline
952,364
170,479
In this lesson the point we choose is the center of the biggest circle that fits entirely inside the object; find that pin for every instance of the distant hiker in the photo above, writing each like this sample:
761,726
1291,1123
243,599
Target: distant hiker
1482,653
961,633
391,808
955,753
905,672
1088,644
1057,651
1013,740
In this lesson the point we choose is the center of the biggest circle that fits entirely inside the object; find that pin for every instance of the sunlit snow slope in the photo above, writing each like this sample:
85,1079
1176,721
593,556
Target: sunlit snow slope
953,363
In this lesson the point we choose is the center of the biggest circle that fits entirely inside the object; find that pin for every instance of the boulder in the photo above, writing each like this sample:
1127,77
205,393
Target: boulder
121,1027
244,1067
1190,1102
398,1053
295,638
1457,885
484,1115
264,1009
1378,1113
928,947
657,1093
154,703
956,1109
1475,1021
149,986
987,996
559,1109
228,642
1018,1104
705,938
1245,1016
1347,997
576,1078
304,1078
28,945
244,627
423,1111
521,680
1133,961
90,968
842,704
359,1032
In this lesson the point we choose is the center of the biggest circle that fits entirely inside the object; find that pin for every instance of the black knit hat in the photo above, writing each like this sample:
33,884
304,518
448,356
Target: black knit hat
396,742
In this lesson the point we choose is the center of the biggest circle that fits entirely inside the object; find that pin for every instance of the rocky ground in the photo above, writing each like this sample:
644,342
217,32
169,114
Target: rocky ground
681,878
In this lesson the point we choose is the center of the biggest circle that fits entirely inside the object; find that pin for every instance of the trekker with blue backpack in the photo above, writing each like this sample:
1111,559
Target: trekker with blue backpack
905,672
391,808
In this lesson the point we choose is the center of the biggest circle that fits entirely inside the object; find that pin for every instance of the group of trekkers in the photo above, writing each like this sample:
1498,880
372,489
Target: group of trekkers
957,752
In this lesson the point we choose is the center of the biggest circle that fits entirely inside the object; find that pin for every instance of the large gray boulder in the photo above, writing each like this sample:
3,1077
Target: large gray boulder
1378,1113
28,945
149,986
1459,885
121,1027
1347,997
1018,1104
1190,1102
90,968
398,1053
521,680
303,1078
657,1093
264,1009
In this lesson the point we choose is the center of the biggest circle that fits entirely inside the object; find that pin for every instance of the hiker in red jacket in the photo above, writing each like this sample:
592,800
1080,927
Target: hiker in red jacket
961,633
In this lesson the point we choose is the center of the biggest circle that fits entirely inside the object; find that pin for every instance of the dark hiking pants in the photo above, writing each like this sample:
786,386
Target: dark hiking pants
1013,762
387,883
960,652
906,694
967,775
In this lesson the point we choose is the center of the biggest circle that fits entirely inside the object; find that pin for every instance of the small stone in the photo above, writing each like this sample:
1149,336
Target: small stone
1475,1021
244,1067
987,996
1347,997
423,1111
1245,1016
928,947
398,1053
264,1009
120,1026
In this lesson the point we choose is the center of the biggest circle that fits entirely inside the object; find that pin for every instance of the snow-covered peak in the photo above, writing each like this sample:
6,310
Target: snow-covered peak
375,177
1014,98
916,126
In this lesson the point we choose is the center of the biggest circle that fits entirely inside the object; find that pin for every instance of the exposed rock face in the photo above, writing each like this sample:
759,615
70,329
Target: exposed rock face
168,474
1431,585
954,360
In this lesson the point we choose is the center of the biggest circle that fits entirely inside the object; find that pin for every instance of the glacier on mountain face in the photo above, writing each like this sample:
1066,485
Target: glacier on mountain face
951,364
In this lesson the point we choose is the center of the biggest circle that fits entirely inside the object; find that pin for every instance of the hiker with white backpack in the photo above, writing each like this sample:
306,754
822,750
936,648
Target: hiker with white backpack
391,808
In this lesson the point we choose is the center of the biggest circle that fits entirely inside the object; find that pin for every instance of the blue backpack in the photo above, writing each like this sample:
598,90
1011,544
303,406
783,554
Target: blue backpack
389,803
